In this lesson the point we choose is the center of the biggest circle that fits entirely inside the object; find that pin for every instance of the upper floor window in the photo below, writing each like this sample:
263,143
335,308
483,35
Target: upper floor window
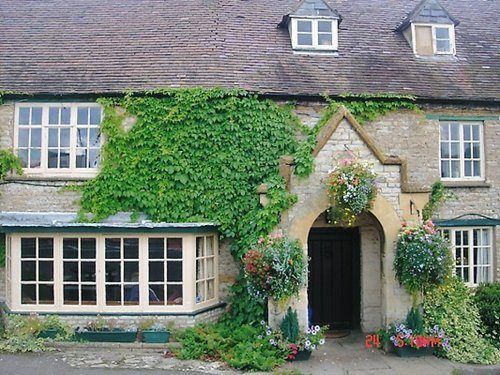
58,139
461,151
431,40
472,252
313,25
314,34
429,29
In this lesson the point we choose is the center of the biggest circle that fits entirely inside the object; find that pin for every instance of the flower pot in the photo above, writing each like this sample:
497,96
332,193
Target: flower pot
106,336
303,355
408,351
155,336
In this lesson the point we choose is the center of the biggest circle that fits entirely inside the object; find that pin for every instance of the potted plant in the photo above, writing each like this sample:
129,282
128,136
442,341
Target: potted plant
54,328
152,331
102,330
351,188
275,268
408,342
298,345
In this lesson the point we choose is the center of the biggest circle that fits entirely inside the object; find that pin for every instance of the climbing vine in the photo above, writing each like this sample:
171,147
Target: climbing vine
364,107
437,197
194,155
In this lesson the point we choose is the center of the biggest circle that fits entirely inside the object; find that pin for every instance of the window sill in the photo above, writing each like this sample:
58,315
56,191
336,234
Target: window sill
466,184
29,177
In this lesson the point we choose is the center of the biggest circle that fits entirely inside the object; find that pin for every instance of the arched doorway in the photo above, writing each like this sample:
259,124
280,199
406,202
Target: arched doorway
334,289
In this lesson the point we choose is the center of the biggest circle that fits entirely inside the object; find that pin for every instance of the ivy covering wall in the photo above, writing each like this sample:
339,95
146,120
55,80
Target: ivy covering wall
195,155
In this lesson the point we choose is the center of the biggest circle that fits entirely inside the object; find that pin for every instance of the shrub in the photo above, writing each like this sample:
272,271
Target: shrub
290,326
21,335
451,307
487,298
240,347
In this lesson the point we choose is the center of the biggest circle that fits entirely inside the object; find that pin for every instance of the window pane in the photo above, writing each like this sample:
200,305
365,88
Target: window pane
113,273
113,246
325,39
443,46
36,116
95,115
156,248
65,115
36,137
82,116
81,137
210,245
28,270
70,248
210,289
174,271
24,137
131,248
46,248
444,132
304,39
53,137
131,271
200,247
174,248
324,26
304,26
71,296
94,137
445,150
156,271
24,116
46,294
46,271
53,115
28,247
65,137
113,294
174,293
88,271
455,132
442,33
88,248
28,294
89,295
70,270
158,291
23,155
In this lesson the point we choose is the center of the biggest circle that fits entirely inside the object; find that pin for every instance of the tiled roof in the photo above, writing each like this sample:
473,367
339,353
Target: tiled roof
429,11
108,46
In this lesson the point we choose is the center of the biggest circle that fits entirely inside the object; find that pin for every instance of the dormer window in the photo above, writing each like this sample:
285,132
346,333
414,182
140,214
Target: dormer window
433,40
314,34
313,26
429,30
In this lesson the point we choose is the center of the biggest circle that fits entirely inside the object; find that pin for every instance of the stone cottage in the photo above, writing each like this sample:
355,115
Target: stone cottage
57,57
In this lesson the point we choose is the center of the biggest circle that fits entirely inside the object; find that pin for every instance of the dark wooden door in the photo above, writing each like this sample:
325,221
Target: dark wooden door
334,277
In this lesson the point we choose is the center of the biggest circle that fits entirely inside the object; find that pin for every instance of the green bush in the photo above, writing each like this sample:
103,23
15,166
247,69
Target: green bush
240,347
21,335
451,307
487,298
290,326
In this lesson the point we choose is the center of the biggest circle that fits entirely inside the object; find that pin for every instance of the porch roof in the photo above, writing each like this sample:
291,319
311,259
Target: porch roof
68,222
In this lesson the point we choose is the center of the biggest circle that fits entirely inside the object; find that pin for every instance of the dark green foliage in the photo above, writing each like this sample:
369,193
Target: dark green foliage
437,197
487,299
290,325
9,163
195,155
414,320
240,346
244,308
451,307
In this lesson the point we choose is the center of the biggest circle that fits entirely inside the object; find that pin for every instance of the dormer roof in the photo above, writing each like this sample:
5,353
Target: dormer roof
311,9
428,11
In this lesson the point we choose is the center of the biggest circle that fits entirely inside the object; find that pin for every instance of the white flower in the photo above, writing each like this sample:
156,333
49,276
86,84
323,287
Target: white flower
268,332
322,341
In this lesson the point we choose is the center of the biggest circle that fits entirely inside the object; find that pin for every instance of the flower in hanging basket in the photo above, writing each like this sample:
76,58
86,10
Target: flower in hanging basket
423,258
351,189
275,268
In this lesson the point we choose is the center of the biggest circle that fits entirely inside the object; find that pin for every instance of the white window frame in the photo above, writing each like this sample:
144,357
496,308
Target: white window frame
451,32
462,158
43,170
188,305
463,253
314,31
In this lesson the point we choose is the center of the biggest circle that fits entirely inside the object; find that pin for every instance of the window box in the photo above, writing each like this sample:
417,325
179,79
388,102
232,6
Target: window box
153,336
408,351
106,336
